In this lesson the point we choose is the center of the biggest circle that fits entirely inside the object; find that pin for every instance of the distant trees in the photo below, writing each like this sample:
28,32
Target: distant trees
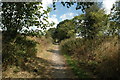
50,32
64,30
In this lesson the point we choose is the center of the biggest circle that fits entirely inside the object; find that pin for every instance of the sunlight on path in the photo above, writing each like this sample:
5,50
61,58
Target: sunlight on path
58,67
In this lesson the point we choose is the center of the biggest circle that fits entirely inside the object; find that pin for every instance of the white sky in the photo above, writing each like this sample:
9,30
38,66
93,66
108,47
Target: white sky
53,17
107,4
67,16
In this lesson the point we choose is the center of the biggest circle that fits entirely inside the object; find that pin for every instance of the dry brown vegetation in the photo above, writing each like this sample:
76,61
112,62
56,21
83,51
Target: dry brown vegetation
99,56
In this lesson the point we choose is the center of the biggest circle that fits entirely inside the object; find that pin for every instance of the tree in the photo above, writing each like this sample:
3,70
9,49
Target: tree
16,16
64,30
51,33
80,5
79,22
96,22
115,19
92,23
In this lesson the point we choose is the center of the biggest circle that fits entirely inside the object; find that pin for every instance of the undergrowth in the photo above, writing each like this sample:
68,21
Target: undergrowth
20,57
17,51
100,55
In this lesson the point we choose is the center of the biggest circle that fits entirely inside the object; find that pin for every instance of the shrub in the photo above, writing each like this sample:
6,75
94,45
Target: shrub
78,46
70,46
17,52
101,55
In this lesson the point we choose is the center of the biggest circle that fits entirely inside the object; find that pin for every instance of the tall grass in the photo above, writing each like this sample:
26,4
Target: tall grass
100,55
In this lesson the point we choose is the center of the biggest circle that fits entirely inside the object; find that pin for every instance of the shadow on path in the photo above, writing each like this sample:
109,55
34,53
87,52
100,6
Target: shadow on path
53,51
59,68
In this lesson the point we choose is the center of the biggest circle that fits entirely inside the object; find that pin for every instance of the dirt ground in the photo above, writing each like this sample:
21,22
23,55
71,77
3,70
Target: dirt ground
58,67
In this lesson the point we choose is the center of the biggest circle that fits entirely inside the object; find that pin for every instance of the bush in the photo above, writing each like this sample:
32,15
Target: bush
70,46
17,52
101,55
78,46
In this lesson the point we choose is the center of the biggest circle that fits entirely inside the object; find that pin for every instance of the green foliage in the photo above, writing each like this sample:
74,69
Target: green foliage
115,11
17,53
79,72
114,26
19,16
64,30
69,45
51,34
92,23
17,19
78,45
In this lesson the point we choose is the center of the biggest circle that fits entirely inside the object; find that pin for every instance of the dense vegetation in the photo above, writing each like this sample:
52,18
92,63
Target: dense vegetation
100,55
90,41
98,49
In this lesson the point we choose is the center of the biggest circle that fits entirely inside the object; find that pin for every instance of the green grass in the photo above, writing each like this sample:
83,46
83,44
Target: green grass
79,72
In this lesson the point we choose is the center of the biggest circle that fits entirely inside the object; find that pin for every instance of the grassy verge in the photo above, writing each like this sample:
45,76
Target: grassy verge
79,72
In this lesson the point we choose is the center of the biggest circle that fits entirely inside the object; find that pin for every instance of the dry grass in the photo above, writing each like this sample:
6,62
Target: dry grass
43,53
34,67
108,55
14,72
106,49
100,56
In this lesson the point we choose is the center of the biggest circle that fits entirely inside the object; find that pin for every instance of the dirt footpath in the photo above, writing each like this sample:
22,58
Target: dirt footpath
58,67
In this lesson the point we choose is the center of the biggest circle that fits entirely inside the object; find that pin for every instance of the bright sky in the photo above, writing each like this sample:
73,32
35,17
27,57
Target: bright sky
61,13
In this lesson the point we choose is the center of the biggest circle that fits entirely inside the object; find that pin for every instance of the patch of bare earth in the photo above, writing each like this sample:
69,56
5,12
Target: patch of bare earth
58,67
